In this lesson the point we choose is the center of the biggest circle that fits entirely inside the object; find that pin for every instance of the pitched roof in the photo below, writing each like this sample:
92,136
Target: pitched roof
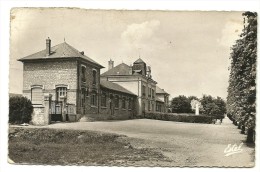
63,50
139,61
113,86
121,69
160,91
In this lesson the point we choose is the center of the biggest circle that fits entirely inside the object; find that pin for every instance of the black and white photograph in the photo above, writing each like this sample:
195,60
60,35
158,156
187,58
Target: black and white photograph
132,88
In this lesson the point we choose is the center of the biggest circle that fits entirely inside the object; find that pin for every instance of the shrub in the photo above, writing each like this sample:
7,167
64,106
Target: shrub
190,118
20,110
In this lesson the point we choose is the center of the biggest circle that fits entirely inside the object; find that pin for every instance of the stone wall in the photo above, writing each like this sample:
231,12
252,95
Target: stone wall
87,83
109,112
38,115
49,74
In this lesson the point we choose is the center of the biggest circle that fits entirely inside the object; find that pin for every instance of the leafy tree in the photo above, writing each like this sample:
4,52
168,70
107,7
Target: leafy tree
213,106
20,110
221,104
241,99
181,104
193,98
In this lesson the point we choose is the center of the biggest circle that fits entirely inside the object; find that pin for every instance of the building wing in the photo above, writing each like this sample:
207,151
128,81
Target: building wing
113,86
121,69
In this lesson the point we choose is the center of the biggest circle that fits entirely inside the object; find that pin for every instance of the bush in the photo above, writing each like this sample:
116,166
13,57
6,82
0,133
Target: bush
190,118
20,110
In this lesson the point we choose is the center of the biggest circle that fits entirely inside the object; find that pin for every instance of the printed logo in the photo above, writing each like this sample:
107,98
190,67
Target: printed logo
230,150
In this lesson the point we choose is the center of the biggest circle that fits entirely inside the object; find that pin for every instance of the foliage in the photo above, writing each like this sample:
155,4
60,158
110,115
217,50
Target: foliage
241,99
181,104
208,105
213,106
20,110
190,118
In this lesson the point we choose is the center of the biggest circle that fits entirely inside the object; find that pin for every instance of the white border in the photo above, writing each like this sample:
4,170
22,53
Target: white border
217,5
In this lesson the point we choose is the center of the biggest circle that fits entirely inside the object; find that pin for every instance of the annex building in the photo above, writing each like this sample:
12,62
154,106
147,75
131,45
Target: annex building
66,85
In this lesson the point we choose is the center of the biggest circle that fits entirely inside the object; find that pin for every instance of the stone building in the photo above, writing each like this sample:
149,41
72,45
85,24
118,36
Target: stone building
138,79
68,79
69,76
162,100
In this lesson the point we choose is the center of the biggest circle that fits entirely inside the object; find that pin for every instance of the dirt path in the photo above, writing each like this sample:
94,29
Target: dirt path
186,144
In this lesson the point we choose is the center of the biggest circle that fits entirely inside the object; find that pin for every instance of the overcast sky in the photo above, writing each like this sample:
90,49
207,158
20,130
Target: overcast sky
188,51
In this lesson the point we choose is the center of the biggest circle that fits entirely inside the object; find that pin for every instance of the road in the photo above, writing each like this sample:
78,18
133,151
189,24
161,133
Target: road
185,144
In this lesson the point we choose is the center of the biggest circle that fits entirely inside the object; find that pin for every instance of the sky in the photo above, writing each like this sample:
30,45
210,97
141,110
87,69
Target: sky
188,51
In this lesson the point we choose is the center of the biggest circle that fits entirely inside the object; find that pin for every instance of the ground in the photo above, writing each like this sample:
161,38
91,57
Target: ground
170,143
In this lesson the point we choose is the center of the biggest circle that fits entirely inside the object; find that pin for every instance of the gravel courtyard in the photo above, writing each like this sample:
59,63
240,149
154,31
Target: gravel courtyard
186,144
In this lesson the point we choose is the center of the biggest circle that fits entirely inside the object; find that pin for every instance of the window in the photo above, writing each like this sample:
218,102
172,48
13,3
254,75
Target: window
149,105
93,99
123,103
83,73
143,106
152,93
37,95
116,101
94,74
130,104
103,99
83,96
143,90
158,107
61,92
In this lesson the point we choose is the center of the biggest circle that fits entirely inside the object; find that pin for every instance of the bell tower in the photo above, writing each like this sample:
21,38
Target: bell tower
139,67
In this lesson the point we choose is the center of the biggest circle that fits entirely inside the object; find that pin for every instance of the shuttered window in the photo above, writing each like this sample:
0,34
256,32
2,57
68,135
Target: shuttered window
37,95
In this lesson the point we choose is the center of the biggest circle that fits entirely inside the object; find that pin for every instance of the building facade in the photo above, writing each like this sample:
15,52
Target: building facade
138,79
162,100
72,78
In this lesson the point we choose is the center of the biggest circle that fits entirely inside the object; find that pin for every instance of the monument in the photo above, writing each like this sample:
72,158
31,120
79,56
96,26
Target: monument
195,105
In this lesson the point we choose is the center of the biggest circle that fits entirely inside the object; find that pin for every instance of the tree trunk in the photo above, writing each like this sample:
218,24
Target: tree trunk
250,135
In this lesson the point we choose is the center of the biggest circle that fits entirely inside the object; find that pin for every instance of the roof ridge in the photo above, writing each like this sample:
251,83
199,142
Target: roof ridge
61,50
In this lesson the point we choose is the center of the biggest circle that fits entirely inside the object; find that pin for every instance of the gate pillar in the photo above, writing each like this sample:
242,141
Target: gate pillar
47,119
63,108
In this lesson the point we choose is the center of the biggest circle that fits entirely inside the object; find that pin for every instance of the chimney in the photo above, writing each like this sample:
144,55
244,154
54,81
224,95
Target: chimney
48,46
110,64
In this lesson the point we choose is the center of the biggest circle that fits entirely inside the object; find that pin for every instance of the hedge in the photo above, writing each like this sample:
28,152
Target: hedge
20,110
190,118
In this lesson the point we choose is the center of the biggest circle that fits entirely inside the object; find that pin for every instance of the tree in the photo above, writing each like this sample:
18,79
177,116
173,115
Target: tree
221,104
20,110
241,99
193,98
213,106
181,104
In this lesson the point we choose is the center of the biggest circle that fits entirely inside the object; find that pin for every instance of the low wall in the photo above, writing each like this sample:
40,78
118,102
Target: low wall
190,118
106,116
38,115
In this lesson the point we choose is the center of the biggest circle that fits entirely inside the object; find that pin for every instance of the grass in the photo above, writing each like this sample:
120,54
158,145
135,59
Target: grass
73,147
